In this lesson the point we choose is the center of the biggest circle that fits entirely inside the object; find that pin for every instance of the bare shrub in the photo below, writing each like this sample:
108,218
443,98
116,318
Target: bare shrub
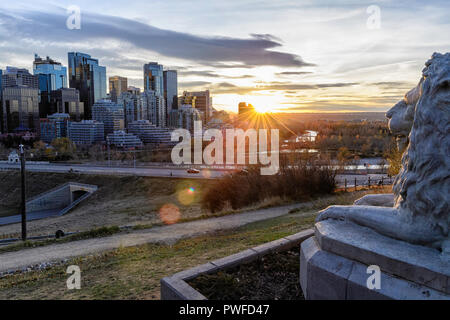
297,180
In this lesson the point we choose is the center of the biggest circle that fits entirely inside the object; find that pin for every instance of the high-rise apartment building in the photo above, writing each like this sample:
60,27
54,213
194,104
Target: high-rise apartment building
155,106
134,90
89,78
110,113
117,86
135,107
184,117
200,100
19,77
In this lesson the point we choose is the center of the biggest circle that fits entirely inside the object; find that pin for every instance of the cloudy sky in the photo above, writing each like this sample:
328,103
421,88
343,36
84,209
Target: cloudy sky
284,55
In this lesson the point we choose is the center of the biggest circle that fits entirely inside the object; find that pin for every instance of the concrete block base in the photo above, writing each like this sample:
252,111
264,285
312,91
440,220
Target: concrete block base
331,269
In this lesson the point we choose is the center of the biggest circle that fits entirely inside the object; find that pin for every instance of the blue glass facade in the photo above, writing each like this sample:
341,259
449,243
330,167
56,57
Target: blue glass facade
89,78
154,78
171,90
55,72
51,76
154,86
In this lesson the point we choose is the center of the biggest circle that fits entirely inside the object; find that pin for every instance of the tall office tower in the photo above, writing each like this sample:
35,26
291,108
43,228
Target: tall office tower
155,107
85,132
20,108
110,113
135,107
154,78
19,77
53,127
67,100
200,100
171,90
52,76
154,92
117,85
89,78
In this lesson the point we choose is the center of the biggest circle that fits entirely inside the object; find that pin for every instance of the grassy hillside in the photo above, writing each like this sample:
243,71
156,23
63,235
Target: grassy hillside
119,200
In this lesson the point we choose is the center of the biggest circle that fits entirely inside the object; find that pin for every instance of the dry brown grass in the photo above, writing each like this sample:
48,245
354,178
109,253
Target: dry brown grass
120,200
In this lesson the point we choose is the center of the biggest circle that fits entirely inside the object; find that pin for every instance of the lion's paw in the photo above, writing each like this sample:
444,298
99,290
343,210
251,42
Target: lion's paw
331,213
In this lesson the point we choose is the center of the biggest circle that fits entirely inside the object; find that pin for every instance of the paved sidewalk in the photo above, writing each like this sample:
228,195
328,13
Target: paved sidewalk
169,234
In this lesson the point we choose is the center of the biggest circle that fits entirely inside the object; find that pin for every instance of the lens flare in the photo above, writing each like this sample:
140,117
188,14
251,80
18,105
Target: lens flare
186,196
206,173
169,213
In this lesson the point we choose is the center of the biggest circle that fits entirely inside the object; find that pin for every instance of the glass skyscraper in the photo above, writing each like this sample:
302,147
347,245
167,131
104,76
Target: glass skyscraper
56,73
86,75
154,78
52,76
154,92
171,90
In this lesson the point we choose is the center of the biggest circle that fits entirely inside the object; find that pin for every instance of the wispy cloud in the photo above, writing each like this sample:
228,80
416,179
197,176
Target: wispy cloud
226,87
257,50
212,74
292,73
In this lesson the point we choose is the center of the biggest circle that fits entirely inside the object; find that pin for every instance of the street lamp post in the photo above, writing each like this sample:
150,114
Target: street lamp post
23,201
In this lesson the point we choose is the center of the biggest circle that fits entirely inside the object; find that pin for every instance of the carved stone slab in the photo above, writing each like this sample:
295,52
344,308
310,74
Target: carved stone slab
327,276
419,264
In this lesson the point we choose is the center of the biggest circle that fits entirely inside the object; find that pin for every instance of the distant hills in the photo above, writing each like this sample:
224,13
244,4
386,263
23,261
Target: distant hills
351,116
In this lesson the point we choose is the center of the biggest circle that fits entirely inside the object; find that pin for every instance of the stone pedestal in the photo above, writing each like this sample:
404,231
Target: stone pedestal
333,265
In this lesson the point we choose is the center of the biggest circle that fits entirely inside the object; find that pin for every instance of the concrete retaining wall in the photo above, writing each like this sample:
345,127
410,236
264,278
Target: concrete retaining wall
175,287
59,198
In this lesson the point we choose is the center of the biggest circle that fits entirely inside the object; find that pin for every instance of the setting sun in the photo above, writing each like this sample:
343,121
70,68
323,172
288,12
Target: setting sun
262,103
261,109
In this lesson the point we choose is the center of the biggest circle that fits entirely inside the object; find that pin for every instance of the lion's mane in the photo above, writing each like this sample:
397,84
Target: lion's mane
422,187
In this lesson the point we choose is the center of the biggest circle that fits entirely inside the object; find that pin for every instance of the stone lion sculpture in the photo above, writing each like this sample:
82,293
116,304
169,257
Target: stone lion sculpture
401,117
420,214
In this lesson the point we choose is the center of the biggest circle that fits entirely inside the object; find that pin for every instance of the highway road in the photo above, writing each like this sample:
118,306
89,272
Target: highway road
138,171
163,172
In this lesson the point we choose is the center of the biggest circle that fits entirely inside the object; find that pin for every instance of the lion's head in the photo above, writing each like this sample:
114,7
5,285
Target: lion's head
422,187
401,116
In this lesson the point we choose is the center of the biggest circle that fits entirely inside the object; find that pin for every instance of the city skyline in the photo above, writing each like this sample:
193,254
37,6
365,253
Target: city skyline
285,63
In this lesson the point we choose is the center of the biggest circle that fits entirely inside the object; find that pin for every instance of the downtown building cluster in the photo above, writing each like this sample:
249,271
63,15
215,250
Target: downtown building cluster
54,101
